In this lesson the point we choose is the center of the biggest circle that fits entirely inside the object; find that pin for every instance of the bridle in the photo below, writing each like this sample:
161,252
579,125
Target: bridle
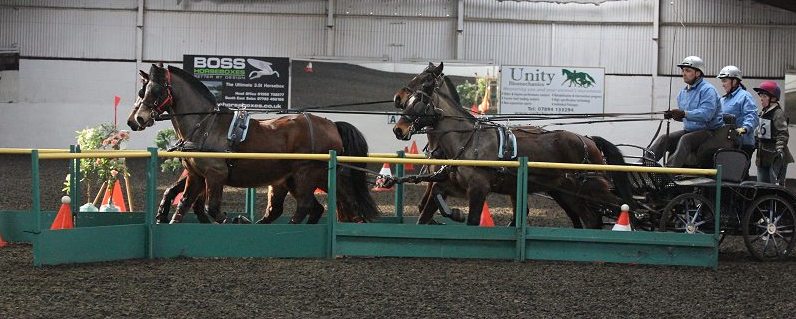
158,107
419,109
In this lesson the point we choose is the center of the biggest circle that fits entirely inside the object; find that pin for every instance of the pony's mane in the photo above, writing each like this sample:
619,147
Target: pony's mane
194,83
454,97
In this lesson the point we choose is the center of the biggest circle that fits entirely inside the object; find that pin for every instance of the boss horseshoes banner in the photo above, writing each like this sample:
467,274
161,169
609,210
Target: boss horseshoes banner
240,82
551,90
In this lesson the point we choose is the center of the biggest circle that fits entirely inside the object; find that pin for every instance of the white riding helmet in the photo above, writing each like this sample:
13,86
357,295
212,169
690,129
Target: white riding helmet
730,71
693,62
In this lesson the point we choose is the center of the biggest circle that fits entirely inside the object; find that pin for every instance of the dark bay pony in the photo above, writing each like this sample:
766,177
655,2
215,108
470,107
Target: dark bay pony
430,103
202,126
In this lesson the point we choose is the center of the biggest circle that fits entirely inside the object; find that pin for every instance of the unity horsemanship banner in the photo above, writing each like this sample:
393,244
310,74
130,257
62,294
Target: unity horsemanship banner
551,90
241,82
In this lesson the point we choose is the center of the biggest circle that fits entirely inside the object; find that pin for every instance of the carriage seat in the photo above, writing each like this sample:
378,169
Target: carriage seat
735,165
735,169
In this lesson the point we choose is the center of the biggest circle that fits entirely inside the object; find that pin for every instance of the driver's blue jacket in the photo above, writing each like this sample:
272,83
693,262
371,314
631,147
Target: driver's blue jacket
701,105
741,104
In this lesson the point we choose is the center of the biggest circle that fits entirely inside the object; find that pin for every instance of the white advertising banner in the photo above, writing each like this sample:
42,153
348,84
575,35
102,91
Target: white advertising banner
551,90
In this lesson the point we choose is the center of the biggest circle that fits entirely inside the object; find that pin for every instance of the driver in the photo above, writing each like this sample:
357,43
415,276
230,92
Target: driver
740,103
699,110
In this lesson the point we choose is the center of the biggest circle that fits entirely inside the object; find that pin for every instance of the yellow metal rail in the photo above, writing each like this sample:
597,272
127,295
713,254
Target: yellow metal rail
379,160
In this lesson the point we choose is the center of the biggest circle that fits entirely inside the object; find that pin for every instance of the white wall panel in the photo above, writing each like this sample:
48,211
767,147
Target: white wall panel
627,49
397,39
169,35
96,4
612,11
723,11
73,33
398,8
244,6
744,47
508,43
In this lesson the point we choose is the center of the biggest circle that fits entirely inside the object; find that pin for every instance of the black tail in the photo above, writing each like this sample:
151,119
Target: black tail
352,184
614,156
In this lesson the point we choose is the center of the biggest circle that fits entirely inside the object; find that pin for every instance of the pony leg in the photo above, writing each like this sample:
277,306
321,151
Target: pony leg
306,203
316,211
214,193
427,205
477,197
564,202
193,189
276,203
168,196
199,209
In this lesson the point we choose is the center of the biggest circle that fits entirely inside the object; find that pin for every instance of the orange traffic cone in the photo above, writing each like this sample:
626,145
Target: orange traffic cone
319,191
3,243
408,166
486,217
623,222
63,220
118,199
413,148
385,171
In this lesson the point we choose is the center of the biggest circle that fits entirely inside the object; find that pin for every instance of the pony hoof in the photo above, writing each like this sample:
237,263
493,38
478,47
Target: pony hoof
240,219
456,215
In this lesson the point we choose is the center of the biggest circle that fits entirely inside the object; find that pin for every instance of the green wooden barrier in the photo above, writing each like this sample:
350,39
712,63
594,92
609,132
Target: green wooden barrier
391,237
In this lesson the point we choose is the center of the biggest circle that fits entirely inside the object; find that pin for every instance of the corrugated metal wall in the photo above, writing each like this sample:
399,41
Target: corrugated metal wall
395,38
757,38
69,32
169,34
614,35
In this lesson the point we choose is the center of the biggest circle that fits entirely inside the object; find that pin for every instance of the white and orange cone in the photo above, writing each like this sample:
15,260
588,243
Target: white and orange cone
63,220
623,222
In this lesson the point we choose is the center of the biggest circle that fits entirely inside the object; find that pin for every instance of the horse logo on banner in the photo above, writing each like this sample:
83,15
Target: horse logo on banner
580,79
263,69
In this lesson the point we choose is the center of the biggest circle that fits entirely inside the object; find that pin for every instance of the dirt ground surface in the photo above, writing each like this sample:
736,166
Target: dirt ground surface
373,287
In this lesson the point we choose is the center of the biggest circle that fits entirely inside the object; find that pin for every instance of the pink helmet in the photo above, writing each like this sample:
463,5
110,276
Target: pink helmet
769,87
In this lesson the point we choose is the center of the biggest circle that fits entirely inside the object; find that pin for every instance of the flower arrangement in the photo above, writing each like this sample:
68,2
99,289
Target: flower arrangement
164,140
102,170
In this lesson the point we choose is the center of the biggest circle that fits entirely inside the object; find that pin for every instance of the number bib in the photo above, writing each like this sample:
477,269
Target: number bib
764,130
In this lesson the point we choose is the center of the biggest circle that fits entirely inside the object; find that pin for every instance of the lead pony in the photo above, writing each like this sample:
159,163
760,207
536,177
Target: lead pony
202,126
430,104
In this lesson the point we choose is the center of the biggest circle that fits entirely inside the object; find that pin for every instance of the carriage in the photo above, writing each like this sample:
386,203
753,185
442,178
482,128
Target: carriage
762,213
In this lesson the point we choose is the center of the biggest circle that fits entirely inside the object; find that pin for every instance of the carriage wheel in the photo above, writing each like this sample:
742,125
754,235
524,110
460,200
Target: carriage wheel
688,213
768,228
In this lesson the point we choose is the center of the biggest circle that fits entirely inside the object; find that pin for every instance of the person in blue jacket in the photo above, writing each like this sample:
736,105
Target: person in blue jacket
699,110
738,102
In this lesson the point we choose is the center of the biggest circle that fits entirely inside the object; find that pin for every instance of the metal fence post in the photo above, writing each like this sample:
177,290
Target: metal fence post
36,195
522,207
251,198
399,189
331,202
73,190
149,211
717,219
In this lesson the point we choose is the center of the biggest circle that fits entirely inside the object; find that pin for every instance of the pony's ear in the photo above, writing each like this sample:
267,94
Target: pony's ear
143,75
439,68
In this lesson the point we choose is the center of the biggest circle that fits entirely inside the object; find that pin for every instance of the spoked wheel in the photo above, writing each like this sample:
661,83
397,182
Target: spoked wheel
768,228
688,213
